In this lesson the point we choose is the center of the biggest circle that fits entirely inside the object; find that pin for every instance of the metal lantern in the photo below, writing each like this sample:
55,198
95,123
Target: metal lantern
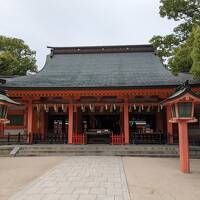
5,101
183,109
3,111
182,104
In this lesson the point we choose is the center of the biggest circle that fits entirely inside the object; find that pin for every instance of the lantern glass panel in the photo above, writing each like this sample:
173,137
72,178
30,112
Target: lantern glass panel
185,109
173,110
3,111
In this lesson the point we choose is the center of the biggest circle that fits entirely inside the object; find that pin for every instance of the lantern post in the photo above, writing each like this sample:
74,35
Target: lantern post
182,104
5,102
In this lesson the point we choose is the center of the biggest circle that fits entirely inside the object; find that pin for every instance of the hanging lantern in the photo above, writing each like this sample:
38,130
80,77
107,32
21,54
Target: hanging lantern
46,108
83,108
130,109
148,108
55,108
111,108
101,109
75,108
37,107
114,107
106,107
135,107
120,109
63,107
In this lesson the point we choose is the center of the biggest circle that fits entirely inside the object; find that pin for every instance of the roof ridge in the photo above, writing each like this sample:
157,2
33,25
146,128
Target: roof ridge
102,49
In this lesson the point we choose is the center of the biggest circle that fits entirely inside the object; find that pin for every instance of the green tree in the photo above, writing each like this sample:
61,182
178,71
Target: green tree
177,47
195,54
181,60
16,57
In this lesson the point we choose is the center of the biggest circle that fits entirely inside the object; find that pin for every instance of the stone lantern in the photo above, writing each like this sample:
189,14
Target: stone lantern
182,104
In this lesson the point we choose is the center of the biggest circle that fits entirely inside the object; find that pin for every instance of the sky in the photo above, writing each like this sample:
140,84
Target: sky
42,23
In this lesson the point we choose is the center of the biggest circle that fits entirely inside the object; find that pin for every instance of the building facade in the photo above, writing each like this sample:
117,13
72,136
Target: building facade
103,94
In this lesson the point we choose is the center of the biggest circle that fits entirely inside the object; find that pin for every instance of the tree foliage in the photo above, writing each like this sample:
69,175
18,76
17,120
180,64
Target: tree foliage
176,47
195,54
16,58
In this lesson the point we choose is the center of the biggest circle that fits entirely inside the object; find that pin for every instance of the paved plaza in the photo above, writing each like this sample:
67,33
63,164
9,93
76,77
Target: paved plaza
80,178
98,178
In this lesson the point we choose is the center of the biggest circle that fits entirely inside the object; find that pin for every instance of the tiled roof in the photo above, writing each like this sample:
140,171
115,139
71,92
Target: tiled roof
103,67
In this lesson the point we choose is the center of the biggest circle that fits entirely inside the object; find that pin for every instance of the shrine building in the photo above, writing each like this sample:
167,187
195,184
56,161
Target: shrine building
95,95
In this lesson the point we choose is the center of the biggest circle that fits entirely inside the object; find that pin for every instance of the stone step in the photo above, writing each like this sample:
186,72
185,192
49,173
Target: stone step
99,150
5,151
117,147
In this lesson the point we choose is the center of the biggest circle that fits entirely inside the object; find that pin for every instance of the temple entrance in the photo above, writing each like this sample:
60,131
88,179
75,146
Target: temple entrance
100,127
146,127
57,128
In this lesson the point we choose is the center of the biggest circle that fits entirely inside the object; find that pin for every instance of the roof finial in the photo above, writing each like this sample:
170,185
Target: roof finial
2,91
186,85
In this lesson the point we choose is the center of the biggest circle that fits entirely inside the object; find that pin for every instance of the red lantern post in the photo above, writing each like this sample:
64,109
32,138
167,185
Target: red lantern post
182,107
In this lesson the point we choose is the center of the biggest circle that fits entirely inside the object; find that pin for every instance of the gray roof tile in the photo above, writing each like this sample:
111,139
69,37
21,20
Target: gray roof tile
87,70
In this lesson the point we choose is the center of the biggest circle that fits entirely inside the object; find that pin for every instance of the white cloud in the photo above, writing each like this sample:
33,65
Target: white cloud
81,22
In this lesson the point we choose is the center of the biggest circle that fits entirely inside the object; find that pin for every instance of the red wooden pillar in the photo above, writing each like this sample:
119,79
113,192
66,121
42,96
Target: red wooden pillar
126,123
30,121
70,124
183,147
169,126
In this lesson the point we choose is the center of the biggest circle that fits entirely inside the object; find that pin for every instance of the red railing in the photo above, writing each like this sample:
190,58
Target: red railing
79,138
117,139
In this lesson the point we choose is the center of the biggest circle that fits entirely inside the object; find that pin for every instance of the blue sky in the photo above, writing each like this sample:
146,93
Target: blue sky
42,23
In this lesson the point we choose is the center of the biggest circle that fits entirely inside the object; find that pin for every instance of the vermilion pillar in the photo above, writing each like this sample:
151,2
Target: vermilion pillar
126,123
70,124
169,126
30,121
183,147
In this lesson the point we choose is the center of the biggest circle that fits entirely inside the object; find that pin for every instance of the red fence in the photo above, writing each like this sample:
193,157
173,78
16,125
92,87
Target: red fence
79,138
117,139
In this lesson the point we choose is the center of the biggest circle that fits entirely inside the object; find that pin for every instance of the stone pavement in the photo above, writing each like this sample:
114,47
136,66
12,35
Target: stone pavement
80,178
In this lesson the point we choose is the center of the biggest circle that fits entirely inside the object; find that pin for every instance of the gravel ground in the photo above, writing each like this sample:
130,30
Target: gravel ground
16,172
160,179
